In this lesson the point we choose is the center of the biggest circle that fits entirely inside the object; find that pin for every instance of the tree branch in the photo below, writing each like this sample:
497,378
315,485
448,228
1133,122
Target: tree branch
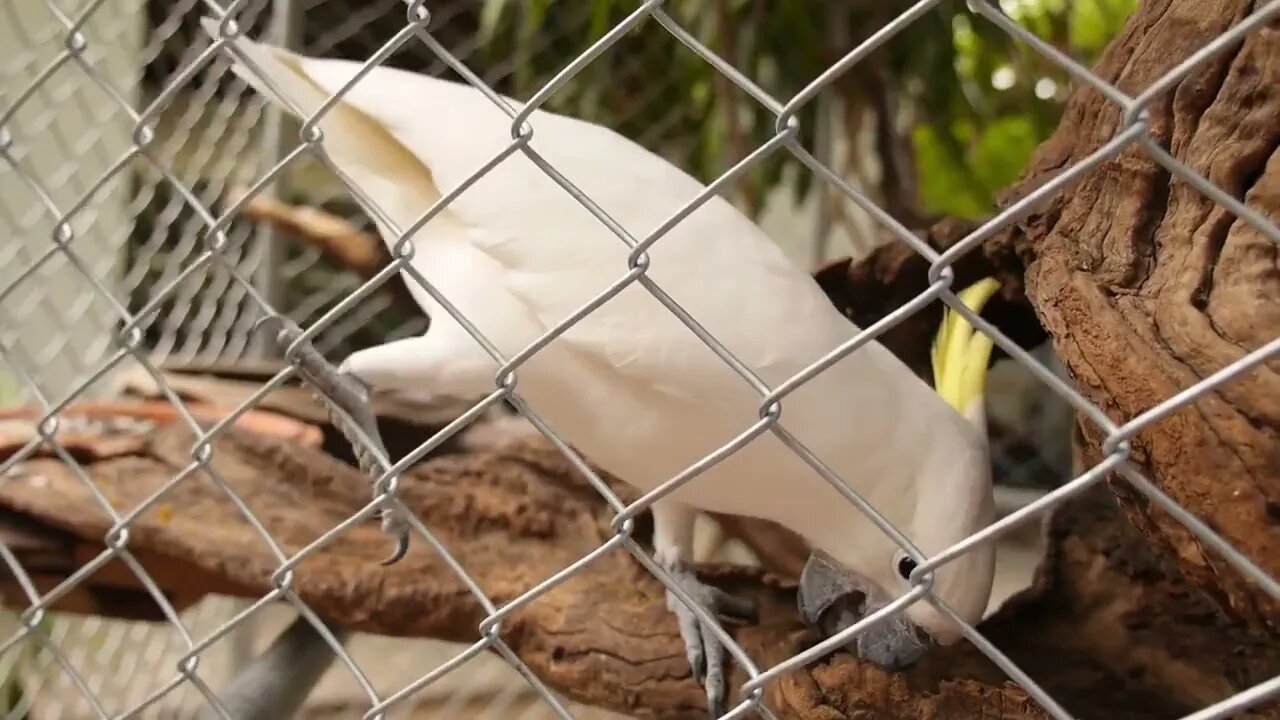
1148,286
1094,629
338,240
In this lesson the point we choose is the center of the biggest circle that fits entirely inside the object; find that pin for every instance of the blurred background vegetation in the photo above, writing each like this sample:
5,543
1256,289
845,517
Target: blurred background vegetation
955,104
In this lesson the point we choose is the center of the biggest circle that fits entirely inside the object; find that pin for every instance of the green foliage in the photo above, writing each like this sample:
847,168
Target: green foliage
1008,101
1092,23
978,102
650,86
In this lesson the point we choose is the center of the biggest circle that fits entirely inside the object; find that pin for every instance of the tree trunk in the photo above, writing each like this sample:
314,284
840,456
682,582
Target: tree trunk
1148,286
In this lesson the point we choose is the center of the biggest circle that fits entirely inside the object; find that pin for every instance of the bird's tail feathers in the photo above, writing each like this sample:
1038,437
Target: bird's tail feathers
274,73
960,355
359,145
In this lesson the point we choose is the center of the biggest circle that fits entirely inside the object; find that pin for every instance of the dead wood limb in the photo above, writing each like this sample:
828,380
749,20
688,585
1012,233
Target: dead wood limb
1148,286
895,274
1094,629
337,239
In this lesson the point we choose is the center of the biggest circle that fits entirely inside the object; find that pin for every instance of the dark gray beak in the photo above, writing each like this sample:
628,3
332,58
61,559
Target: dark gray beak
833,598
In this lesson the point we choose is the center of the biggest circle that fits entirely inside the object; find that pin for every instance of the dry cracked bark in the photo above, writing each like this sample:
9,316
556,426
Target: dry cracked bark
1095,629
1147,286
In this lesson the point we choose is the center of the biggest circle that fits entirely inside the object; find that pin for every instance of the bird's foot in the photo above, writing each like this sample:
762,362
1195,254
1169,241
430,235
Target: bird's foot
706,654
351,396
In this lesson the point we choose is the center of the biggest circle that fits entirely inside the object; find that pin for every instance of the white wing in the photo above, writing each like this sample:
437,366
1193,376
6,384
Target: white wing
715,263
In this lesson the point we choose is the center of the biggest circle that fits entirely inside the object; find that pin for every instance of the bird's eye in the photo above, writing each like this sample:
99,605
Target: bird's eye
906,566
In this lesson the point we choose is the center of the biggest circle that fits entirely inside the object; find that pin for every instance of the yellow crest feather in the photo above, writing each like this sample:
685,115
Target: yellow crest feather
959,355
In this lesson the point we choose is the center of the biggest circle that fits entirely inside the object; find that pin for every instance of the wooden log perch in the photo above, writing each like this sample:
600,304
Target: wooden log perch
1108,628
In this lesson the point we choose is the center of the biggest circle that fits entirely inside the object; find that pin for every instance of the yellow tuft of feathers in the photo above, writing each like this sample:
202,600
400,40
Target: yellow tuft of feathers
960,355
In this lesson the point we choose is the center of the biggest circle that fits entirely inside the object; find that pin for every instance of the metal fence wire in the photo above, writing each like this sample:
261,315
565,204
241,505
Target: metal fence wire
69,238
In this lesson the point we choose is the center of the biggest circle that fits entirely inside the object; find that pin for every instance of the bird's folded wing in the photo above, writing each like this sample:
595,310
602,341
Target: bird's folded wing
715,263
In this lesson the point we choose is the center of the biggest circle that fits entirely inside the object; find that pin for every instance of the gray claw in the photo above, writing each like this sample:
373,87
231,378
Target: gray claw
396,527
706,654
402,547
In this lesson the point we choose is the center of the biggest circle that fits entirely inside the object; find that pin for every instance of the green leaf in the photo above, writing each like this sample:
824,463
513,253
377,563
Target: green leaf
946,186
601,19
1092,23
1003,149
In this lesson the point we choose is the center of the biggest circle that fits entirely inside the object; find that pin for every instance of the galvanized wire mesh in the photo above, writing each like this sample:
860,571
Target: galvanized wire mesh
205,292
213,138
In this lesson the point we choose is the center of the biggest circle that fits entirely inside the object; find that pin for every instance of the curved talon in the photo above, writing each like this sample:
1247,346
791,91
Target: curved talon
396,526
402,547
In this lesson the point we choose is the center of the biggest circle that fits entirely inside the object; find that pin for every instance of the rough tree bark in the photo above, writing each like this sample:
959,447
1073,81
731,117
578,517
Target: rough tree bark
1146,285
1108,628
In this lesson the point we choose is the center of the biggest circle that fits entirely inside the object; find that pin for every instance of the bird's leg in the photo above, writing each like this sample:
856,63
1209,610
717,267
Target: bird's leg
350,395
673,546
445,358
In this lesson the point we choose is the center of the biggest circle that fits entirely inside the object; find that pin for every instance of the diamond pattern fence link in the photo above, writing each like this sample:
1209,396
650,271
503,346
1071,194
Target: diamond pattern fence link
317,27
218,249
209,137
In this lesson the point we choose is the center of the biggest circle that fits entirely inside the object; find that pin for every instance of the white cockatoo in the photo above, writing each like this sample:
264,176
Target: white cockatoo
630,385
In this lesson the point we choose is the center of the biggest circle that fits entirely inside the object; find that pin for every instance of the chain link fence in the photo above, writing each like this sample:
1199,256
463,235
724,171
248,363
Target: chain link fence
134,253
140,231
213,138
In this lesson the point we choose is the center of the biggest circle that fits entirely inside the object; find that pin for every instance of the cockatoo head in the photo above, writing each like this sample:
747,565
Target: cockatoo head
953,501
